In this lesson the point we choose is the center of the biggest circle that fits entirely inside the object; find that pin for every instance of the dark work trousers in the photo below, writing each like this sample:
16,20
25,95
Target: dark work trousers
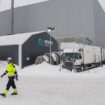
10,83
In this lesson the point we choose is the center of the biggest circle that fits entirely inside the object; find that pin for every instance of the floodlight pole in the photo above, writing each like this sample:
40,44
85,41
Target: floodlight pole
50,29
50,49
12,17
82,36
60,53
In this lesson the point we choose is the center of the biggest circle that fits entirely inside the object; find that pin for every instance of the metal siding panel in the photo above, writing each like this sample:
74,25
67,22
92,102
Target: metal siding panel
70,17
99,24
5,22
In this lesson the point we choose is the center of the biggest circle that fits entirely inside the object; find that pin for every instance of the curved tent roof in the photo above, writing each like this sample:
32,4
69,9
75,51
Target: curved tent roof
16,39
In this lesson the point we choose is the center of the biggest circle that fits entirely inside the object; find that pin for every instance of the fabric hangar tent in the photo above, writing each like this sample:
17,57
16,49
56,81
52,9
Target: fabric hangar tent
25,47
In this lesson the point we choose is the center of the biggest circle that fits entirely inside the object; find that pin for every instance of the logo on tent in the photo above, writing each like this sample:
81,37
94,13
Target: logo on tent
44,43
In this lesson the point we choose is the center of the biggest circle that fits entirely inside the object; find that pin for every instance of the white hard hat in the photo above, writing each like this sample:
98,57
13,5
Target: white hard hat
9,58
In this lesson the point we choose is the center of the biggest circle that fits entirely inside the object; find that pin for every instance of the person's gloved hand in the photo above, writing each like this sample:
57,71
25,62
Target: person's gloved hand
16,77
2,75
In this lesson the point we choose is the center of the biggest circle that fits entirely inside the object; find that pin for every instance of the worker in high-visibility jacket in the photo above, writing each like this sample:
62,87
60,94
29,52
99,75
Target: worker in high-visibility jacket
12,74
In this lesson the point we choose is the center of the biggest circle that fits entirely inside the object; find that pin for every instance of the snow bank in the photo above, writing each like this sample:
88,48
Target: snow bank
65,88
46,69
43,69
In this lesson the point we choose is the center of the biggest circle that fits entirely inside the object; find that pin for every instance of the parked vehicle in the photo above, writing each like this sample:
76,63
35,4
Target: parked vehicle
81,57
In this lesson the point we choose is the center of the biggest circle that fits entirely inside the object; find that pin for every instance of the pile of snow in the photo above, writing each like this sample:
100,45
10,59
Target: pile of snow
99,70
46,69
44,84
43,69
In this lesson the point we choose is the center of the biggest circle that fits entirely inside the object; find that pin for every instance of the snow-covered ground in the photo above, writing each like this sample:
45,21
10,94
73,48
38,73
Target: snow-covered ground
46,85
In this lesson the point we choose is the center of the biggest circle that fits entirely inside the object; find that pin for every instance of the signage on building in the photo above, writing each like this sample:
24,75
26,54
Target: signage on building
42,43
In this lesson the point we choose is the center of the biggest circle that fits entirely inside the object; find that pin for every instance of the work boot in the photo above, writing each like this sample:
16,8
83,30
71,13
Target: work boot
4,93
15,92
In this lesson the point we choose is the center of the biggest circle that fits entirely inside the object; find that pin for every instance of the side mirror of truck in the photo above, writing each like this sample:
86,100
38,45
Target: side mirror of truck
80,57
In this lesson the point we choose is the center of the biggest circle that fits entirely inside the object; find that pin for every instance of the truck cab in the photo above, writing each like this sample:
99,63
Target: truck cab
72,59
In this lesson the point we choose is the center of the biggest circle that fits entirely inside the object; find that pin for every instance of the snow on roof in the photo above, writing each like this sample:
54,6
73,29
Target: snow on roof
16,39
70,45
72,50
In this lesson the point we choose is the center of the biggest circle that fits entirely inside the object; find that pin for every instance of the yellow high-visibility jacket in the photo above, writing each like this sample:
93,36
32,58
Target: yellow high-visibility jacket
11,70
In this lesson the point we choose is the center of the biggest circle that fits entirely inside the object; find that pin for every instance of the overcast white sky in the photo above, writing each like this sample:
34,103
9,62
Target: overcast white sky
6,4
102,2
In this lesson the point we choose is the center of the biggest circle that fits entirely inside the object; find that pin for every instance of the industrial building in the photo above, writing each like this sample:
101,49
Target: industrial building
71,19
